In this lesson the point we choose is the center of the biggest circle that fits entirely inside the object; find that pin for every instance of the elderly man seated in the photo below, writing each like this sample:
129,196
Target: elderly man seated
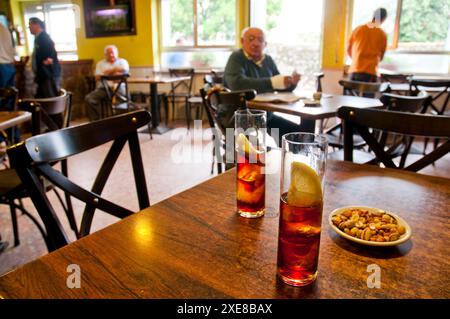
110,65
250,68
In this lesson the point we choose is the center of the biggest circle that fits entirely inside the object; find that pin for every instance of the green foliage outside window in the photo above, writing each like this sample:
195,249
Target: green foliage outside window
216,20
424,20
273,11
181,18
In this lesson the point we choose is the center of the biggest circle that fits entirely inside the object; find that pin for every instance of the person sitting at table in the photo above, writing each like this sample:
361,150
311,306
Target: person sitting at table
110,65
366,47
250,68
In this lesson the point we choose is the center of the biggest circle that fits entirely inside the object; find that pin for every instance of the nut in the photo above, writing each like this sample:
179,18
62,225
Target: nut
366,234
394,237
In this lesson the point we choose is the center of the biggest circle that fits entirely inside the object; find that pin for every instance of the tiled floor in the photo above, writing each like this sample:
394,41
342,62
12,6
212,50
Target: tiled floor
170,167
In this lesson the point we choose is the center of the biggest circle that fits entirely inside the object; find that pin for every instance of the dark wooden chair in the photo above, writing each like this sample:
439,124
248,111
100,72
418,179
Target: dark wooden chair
48,114
413,124
182,90
220,104
119,98
432,107
395,77
423,84
401,145
355,88
33,158
8,102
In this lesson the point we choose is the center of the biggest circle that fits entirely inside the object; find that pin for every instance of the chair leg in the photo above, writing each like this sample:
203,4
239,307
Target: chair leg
214,159
12,209
150,130
188,115
166,108
173,109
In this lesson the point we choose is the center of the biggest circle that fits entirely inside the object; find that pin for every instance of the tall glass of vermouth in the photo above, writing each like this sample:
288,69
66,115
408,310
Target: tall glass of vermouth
250,145
302,185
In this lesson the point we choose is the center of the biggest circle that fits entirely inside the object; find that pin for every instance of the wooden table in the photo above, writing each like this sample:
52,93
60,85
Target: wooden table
194,245
11,119
153,81
328,107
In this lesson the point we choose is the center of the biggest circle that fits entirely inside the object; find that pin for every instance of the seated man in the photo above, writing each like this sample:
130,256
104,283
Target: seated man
110,65
250,68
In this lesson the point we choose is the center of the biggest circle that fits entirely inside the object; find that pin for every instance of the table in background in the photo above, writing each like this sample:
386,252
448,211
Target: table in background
194,245
13,118
153,81
328,107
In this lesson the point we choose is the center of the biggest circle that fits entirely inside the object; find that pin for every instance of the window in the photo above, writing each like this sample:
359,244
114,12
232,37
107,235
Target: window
363,11
60,25
293,33
418,30
198,33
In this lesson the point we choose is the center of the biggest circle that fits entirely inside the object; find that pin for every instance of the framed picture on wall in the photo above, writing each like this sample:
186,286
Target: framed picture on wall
105,18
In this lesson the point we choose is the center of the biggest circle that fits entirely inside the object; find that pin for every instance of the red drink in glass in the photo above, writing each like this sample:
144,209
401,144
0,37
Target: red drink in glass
251,181
298,245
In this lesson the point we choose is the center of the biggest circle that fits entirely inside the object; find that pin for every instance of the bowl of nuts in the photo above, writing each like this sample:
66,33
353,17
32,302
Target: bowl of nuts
369,226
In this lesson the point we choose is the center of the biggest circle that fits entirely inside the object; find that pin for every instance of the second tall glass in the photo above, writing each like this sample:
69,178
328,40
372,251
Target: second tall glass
302,171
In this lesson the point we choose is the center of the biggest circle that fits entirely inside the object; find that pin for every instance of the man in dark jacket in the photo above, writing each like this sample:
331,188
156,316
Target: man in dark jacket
45,62
251,68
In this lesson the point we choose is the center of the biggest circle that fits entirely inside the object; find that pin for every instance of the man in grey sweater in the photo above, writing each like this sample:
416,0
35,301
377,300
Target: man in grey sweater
250,68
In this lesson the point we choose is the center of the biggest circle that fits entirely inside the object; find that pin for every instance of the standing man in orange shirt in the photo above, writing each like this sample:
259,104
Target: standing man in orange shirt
366,47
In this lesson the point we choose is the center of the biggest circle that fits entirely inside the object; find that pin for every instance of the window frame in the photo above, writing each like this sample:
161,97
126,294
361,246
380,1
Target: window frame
396,35
195,47
45,11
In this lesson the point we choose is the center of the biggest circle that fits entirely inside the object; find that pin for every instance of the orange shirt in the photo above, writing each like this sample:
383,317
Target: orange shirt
367,44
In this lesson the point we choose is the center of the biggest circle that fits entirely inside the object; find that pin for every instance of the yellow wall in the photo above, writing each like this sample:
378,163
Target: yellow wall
334,33
136,49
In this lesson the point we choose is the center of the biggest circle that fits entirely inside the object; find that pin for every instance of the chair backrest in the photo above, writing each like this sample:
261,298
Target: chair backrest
227,102
55,112
32,159
8,98
434,83
209,99
402,103
120,88
395,77
214,78
358,88
182,86
431,83
412,124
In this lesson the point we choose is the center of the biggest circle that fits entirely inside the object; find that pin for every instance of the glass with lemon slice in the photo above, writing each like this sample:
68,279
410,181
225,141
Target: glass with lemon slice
250,128
302,171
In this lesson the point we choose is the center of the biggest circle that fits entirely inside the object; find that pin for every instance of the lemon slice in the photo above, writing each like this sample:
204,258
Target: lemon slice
305,189
244,144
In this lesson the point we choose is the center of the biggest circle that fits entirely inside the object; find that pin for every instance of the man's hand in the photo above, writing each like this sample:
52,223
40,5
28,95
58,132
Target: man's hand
48,61
292,80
